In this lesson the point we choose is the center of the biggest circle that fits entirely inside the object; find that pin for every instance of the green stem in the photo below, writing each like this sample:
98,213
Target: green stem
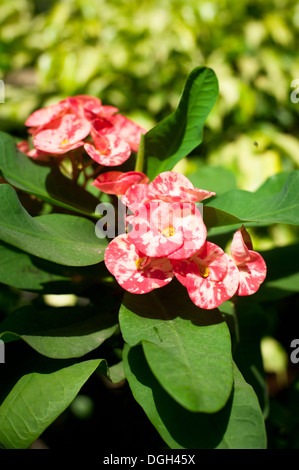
140,155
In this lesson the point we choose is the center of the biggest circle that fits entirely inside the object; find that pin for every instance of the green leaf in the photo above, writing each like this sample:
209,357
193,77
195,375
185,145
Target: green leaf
276,201
247,330
188,349
178,134
282,273
43,181
64,239
239,425
35,391
217,218
28,272
116,372
210,178
63,332
18,269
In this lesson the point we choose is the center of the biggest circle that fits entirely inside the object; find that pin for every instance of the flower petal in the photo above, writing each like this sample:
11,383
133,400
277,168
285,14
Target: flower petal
117,182
148,230
136,195
134,271
194,231
172,186
239,249
210,256
113,152
167,185
195,195
61,134
252,274
251,265
43,116
127,130
211,294
202,285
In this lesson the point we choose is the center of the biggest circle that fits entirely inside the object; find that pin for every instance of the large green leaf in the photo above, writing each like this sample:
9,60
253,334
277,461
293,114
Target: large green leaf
276,201
35,391
181,132
187,349
239,425
28,272
64,239
61,333
43,181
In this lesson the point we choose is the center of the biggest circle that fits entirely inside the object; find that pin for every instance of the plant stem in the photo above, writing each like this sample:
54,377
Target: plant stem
140,155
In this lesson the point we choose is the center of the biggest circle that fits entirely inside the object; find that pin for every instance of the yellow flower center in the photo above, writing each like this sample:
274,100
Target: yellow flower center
139,262
168,232
204,271
64,142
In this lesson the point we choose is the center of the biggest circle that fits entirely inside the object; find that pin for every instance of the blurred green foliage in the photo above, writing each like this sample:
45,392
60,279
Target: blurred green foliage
136,55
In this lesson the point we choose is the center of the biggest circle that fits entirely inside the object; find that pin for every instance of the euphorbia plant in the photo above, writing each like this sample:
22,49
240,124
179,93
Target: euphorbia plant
165,288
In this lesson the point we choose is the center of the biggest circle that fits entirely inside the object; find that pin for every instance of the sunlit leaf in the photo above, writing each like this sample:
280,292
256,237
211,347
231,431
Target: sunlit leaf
64,239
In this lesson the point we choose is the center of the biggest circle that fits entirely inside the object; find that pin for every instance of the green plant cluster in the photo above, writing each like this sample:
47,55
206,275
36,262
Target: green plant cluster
137,55
199,376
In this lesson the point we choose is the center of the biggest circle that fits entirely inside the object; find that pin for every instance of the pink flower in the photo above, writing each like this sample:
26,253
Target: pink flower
210,276
134,271
43,116
175,230
127,130
118,182
137,195
87,106
169,187
108,147
59,128
172,186
23,146
62,134
251,265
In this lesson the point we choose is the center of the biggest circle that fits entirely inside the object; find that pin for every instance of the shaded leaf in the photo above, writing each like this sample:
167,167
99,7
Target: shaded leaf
61,333
28,272
282,273
247,330
17,269
239,425
36,391
188,349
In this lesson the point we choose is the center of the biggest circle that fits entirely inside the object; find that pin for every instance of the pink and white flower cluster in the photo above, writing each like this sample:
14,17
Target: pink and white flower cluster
82,121
167,239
